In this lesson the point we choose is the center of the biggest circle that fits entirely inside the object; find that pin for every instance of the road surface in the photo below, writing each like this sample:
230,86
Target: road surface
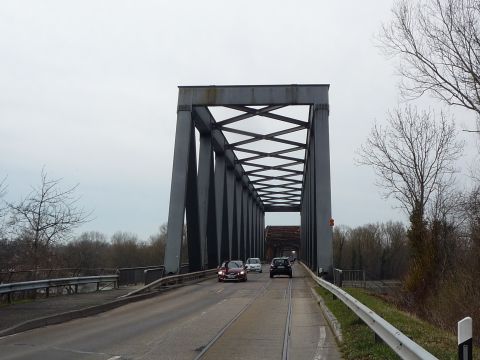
262,318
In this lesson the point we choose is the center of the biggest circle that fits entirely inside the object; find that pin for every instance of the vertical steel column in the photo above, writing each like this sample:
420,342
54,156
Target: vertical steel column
310,215
220,174
178,191
302,227
259,230
193,228
230,192
235,235
238,206
259,211
205,192
252,224
212,240
313,212
262,234
323,209
245,222
249,226
254,229
305,213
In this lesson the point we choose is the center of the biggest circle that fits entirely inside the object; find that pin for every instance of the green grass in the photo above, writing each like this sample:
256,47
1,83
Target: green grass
358,339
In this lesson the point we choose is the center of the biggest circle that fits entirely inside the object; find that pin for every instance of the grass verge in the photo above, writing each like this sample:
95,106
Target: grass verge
359,341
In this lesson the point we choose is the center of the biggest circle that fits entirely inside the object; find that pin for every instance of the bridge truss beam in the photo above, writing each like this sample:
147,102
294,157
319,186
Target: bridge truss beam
225,197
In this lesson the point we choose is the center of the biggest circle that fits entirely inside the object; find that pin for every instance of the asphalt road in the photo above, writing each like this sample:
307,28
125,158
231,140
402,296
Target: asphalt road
207,320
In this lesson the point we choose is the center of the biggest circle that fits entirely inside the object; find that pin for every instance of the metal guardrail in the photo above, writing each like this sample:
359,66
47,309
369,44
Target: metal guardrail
9,276
172,280
402,345
134,275
8,289
150,275
138,275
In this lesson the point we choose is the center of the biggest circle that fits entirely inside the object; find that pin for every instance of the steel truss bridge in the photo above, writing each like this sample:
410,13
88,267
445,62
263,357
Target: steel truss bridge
246,169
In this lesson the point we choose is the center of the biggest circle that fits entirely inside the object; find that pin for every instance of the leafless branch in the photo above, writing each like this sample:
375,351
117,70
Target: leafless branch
413,156
48,214
438,45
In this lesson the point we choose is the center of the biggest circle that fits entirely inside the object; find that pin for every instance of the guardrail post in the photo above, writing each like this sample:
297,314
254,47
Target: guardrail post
47,292
465,343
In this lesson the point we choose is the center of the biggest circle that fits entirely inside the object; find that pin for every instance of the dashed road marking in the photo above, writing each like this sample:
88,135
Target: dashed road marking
321,343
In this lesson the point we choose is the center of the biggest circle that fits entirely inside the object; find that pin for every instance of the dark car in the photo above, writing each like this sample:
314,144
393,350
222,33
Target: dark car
280,266
232,270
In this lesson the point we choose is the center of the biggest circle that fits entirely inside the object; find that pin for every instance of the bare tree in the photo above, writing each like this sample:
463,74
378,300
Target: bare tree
438,43
3,190
413,156
125,250
89,250
48,214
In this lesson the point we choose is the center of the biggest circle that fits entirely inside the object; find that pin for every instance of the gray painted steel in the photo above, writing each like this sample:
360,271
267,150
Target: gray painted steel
205,165
225,200
178,192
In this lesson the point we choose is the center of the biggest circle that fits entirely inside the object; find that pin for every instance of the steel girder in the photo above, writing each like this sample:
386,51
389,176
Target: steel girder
225,198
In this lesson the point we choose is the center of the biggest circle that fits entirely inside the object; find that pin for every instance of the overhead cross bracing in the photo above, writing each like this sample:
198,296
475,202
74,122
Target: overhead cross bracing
259,158
276,175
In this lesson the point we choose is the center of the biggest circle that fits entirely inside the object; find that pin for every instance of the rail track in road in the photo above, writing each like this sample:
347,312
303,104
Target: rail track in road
287,297
230,323
286,338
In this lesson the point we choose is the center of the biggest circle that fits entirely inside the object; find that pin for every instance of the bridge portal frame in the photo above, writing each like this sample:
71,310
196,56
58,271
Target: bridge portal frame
225,212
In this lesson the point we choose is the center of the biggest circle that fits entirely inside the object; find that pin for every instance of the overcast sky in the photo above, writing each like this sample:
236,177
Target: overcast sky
88,89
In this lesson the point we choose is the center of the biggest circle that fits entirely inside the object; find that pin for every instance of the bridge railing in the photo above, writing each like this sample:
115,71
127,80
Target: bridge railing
401,344
127,275
10,276
144,274
172,280
11,288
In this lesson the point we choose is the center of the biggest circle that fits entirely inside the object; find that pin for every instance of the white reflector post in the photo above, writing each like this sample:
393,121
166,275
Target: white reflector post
465,342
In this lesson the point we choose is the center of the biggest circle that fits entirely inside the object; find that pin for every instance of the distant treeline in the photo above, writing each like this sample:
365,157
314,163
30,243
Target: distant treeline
89,250
379,249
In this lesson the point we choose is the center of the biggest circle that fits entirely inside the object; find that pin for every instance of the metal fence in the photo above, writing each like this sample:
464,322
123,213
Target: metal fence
72,283
10,276
127,275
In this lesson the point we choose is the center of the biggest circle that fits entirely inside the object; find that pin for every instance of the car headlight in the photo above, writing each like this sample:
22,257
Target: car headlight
220,272
242,272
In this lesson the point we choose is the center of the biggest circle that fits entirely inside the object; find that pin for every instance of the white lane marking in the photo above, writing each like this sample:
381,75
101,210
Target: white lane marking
321,343
75,351
220,290
114,358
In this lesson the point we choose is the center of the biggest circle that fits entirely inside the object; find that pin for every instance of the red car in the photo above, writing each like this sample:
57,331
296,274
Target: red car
232,270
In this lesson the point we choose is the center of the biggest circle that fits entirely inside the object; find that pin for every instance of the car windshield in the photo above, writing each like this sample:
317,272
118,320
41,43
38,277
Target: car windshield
233,264
253,261
280,262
